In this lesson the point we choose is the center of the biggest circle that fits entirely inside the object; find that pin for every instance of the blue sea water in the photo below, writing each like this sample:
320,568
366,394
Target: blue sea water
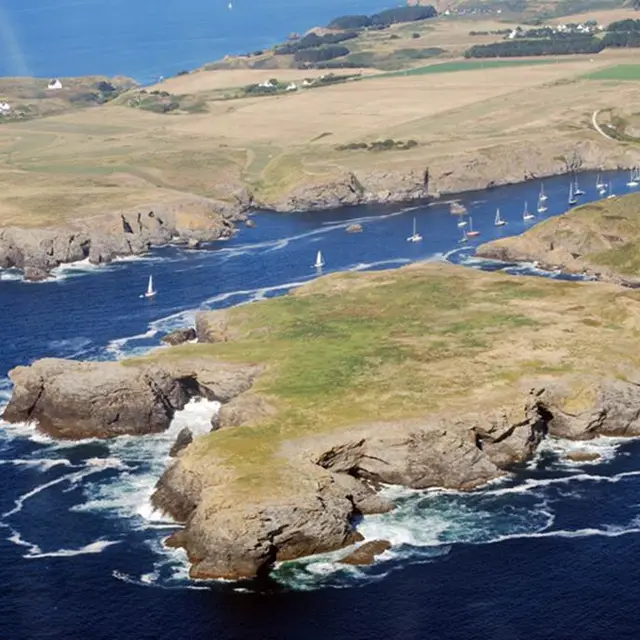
146,39
549,554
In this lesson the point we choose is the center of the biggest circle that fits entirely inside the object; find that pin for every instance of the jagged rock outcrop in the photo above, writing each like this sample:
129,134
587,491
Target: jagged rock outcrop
184,439
329,479
358,188
75,400
191,219
366,553
248,536
179,336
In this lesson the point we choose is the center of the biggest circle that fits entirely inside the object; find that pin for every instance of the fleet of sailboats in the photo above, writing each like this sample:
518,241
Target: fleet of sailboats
574,191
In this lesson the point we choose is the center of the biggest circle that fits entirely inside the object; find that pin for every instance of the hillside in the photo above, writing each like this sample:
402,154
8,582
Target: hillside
600,238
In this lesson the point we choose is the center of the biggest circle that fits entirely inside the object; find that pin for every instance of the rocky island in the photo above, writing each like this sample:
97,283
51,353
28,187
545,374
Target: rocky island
428,376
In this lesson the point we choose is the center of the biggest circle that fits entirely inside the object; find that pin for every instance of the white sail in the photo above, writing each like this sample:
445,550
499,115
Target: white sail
572,198
499,222
543,195
541,205
319,260
150,292
526,215
415,236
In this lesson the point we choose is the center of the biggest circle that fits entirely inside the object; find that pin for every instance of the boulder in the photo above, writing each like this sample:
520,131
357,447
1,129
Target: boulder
179,336
184,439
366,553
75,400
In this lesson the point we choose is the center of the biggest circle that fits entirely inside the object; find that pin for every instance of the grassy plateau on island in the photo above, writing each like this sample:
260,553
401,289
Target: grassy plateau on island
428,339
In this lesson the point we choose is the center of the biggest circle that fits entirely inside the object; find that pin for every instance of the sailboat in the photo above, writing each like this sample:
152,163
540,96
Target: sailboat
542,207
464,236
499,222
633,179
462,223
572,197
471,233
415,236
543,196
599,183
611,194
150,290
319,260
577,191
526,214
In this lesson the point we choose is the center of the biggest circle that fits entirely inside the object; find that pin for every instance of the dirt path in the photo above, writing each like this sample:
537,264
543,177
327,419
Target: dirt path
596,126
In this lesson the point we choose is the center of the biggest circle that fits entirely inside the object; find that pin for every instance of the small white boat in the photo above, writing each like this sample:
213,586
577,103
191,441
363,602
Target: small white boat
577,191
633,179
499,222
464,236
526,214
572,196
230,6
599,183
611,194
462,223
542,207
319,261
543,196
471,233
150,290
415,236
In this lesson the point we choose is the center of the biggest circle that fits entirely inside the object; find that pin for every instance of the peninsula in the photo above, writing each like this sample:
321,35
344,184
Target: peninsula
428,376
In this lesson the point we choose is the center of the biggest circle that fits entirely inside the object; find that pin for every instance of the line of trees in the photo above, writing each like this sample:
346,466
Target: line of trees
384,18
622,39
625,25
538,47
312,40
320,54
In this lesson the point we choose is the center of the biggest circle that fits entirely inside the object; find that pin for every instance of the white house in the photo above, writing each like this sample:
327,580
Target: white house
54,84
5,108
267,85
307,83
292,87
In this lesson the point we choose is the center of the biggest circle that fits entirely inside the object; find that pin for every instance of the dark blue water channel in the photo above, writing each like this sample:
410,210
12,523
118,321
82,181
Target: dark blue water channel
551,553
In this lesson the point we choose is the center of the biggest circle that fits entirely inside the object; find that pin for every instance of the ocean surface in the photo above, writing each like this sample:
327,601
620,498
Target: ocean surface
146,39
552,553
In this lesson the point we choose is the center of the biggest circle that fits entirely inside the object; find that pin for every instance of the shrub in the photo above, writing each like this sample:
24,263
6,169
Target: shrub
321,54
538,47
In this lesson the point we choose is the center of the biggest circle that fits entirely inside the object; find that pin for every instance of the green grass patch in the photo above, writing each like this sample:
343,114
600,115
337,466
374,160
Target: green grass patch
620,72
466,65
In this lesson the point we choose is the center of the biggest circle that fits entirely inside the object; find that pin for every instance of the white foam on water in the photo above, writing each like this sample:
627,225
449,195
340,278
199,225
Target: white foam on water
41,464
338,224
128,495
118,346
11,275
94,547
605,447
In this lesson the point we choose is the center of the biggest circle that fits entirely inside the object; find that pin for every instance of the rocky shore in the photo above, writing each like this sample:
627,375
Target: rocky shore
267,486
191,220
187,221
600,239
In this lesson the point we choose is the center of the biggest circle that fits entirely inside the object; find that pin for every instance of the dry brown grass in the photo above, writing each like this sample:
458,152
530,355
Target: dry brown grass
113,157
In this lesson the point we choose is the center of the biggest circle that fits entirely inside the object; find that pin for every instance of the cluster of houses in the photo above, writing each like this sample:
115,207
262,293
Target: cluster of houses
53,85
292,86
583,28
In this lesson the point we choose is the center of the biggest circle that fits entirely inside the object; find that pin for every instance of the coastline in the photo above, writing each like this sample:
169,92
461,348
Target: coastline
194,219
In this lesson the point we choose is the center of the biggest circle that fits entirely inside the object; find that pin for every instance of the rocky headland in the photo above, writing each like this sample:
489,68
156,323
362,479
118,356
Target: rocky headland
600,239
449,382
101,239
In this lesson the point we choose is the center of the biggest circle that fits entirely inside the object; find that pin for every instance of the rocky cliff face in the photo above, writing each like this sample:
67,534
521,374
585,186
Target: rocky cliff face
75,400
456,173
101,239
328,480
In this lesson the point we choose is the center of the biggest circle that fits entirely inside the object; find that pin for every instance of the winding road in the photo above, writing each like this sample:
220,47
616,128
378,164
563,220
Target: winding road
597,127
